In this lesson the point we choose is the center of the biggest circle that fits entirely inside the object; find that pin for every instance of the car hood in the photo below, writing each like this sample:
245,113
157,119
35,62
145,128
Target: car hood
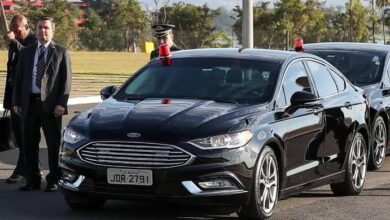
153,120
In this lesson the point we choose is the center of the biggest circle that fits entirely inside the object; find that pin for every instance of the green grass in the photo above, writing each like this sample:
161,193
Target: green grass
99,63
92,70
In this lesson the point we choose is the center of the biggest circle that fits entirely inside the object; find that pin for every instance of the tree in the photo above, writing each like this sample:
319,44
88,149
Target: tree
194,24
298,18
220,39
97,35
337,24
381,5
127,16
358,30
64,15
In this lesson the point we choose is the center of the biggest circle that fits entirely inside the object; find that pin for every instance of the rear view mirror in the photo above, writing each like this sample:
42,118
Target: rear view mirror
302,97
106,92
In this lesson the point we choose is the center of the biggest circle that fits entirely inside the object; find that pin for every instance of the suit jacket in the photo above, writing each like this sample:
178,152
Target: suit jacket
56,82
13,54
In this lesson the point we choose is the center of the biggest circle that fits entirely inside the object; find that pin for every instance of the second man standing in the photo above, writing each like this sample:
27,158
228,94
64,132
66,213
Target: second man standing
41,92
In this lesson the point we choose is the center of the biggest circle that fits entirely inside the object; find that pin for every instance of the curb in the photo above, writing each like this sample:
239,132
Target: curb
77,101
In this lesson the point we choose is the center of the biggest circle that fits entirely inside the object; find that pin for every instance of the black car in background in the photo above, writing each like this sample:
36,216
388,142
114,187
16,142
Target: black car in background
239,127
367,66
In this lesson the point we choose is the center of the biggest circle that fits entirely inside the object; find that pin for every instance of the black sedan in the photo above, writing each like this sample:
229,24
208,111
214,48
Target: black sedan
239,127
367,66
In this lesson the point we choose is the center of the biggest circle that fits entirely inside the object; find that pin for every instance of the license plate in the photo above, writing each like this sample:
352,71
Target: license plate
129,177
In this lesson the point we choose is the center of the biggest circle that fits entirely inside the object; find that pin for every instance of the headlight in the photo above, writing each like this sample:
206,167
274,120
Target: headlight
224,141
71,136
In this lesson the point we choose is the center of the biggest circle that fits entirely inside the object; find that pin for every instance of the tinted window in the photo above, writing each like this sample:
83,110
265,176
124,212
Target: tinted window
322,79
242,81
361,68
295,79
340,82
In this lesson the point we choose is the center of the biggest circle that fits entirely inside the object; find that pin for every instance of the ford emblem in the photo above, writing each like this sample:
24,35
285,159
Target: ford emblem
133,135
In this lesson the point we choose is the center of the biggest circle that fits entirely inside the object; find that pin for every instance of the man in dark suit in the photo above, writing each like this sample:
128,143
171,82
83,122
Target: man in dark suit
164,35
42,86
18,37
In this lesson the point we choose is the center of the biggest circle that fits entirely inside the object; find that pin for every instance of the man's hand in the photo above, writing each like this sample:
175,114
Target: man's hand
17,110
59,111
9,36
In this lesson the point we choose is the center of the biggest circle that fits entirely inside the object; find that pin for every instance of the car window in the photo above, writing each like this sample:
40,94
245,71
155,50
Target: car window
340,82
360,67
295,79
324,82
228,79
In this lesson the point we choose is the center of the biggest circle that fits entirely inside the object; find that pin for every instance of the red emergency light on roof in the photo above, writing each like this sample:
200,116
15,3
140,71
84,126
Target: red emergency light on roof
165,54
298,44
166,101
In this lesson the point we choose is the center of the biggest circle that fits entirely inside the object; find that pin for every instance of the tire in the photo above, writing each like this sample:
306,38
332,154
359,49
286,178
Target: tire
356,169
80,201
378,150
265,190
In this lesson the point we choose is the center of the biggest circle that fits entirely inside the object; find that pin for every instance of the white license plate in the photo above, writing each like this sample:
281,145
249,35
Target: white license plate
129,177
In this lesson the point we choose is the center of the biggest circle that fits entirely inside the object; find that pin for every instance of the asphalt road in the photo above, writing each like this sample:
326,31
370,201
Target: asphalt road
320,203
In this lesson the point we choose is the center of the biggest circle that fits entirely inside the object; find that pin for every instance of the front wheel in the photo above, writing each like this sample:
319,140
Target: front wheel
356,169
378,153
264,195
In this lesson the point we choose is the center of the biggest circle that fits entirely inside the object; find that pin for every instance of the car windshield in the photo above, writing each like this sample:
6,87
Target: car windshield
361,68
218,79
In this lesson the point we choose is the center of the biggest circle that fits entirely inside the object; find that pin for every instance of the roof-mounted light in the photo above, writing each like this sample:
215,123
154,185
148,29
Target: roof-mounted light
298,44
165,54
166,101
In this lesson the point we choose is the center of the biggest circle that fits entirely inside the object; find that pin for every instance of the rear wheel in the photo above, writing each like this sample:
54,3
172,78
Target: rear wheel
83,202
378,153
356,169
264,195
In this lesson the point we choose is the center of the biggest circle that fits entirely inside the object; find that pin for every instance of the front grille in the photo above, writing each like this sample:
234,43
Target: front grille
134,155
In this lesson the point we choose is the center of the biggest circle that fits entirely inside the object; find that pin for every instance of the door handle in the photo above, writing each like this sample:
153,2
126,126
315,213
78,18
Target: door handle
348,105
317,110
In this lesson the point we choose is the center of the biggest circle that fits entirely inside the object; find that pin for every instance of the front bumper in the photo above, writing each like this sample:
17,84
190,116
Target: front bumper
177,183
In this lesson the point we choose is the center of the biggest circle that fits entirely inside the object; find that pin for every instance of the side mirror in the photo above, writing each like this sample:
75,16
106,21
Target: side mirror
106,92
302,97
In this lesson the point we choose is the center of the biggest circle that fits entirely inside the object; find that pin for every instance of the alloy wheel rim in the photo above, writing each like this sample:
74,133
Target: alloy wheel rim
380,143
268,183
358,163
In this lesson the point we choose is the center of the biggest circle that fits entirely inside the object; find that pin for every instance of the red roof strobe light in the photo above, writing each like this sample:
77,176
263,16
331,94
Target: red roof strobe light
165,54
298,44
166,101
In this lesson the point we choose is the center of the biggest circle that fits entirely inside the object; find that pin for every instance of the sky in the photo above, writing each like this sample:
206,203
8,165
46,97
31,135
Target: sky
229,4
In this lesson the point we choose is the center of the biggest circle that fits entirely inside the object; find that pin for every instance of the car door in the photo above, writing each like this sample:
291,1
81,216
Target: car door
385,99
300,127
339,114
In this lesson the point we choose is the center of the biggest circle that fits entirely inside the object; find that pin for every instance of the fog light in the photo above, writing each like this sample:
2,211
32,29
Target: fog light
69,176
216,184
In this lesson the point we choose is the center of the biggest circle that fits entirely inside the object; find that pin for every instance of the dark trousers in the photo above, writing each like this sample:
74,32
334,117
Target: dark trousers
36,119
16,124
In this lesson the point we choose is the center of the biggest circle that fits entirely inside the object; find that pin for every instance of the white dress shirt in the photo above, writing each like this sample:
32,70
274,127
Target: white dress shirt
34,87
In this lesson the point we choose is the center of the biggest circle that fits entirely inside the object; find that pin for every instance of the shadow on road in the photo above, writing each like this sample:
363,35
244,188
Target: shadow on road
43,205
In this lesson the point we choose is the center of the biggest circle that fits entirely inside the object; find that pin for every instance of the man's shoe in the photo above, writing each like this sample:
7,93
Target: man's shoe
51,187
15,178
30,187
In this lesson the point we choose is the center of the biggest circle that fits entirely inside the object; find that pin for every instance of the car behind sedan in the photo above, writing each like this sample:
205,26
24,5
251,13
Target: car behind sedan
367,66
240,127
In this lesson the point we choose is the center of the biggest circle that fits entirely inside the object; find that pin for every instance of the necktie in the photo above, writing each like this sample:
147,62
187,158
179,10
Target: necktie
41,66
